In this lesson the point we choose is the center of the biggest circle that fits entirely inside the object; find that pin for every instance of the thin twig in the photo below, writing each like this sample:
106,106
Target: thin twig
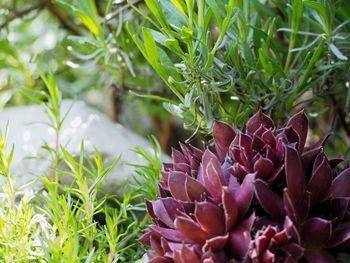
126,88
25,11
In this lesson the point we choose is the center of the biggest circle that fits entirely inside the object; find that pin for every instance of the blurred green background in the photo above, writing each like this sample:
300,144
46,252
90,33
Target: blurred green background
219,60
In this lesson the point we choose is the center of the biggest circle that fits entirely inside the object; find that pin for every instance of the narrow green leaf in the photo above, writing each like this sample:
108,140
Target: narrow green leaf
152,97
217,11
337,52
310,66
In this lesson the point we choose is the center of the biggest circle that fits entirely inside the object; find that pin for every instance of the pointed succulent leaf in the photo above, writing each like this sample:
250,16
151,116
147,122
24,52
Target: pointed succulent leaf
185,150
209,259
145,239
340,187
291,135
177,256
291,229
223,136
149,207
299,123
269,138
277,173
191,230
210,217
244,195
289,207
259,132
316,232
187,255
245,142
156,245
340,236
176,183
166,209
295,251
238,171
178,157
170,234
230,208
320,181
196,152
263,168
194,189
318,160
239,239
295,175
165,245
340,207
319,256
304,207
159,259
173,246
212,174
310,155
182,167
257,120
216,243
269,200
257,144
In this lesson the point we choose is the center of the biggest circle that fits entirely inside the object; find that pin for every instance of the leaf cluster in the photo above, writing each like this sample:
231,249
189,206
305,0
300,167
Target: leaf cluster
74,221
225,59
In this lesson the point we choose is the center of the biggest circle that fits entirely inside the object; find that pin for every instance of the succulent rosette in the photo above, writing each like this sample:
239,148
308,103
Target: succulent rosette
260,147
254,195
202,214
273,245
316,199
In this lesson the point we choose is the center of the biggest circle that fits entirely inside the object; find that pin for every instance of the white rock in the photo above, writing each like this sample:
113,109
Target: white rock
144,259
28,133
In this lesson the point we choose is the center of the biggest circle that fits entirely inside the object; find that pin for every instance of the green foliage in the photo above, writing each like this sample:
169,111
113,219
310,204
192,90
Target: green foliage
218,59
111,50
226,59
149,172
77,222
20,226
201,60
5,157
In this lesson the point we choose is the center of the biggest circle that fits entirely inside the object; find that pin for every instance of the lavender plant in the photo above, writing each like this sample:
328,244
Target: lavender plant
254,195
225,59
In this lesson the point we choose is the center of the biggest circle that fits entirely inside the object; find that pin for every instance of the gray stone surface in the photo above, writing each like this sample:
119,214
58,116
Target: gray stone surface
28,133
144,259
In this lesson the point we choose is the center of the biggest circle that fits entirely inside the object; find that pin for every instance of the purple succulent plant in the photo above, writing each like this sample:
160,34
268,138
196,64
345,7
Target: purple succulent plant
198,216
260,148
255,195
273,245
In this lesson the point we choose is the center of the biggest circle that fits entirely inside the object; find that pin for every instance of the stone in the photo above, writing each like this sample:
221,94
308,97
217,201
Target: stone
28,133
144,259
